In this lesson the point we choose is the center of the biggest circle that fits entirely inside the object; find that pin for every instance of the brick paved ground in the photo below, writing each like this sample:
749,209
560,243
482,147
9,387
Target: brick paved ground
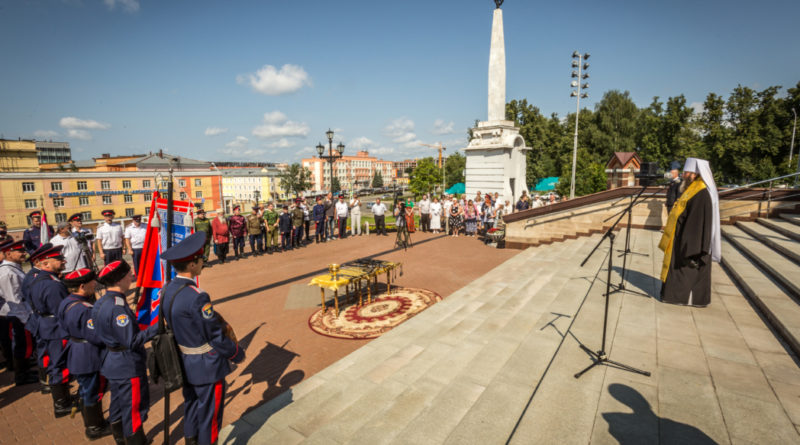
282,350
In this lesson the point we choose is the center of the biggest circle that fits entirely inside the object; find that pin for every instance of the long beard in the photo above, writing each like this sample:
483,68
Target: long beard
683,186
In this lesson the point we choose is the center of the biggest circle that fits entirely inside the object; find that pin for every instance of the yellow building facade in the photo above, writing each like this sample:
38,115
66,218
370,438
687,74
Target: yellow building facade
18,156
89,193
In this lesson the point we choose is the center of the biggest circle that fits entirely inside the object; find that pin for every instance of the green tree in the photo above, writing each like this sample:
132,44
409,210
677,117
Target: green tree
296,179
425,177
454,169
590,176
336,187
377,180
615,118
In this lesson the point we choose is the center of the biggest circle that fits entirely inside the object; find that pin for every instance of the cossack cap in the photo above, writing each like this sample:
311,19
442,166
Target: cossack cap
76,217
46,251
109,212
78,277
113,272
9,245
35,214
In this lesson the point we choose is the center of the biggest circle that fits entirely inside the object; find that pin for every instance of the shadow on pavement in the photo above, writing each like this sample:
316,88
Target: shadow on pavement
637,427
641,281
311,274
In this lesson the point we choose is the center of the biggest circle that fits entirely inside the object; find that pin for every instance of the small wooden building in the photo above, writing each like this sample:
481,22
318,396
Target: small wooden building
622,168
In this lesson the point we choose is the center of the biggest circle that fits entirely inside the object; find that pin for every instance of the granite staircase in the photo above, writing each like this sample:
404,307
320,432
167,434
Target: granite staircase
763,257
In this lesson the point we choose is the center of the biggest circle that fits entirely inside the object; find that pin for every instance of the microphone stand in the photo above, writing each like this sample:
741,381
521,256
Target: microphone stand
601,357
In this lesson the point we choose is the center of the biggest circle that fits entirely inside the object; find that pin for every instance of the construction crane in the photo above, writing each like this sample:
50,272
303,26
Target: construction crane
439,147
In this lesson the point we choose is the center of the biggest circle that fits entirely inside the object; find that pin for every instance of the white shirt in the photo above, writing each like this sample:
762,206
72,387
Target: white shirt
11,276
59,240
378,209
425,206
136,235
436,208
110,235
355,206
341,209
447,204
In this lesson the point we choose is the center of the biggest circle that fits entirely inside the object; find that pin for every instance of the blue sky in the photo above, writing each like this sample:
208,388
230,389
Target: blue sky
263,80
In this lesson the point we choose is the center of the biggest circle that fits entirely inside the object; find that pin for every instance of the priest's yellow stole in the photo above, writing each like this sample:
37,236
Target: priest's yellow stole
669,231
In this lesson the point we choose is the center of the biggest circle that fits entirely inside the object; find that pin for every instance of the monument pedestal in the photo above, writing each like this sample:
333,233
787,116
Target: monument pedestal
496,161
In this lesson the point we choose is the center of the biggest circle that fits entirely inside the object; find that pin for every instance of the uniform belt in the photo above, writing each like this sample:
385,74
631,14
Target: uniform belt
117,348
202,349
78,340
44,314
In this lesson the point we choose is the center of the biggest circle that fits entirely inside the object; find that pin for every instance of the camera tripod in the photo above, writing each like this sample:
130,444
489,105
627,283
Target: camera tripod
403,239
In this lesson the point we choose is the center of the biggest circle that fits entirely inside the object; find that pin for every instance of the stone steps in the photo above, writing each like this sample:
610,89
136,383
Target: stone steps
792,218
456,361
786,226
784,245
781,269
772,300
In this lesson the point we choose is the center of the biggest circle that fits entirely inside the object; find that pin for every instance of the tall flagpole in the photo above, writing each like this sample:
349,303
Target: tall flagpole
167,279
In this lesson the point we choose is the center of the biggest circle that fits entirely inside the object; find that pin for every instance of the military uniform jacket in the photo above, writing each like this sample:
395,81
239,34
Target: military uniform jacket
203,225
271,217
253,224
32,237
33,321
47,292
297,217
197,327
285,223
86,350
117,328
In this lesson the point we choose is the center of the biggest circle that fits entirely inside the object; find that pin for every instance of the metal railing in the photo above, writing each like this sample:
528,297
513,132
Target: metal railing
769,190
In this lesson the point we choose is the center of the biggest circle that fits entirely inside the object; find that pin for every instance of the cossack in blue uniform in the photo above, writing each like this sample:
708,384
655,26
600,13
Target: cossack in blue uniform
46,293
33,236
206,342
125,362
33,323
86,351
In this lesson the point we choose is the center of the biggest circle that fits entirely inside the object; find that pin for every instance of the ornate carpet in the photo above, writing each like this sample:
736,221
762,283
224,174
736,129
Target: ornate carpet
372,320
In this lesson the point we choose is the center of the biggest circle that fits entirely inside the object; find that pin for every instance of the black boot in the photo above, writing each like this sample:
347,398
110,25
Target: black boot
118,432
96,425
22,373
45,388
138,438
191,441
62,399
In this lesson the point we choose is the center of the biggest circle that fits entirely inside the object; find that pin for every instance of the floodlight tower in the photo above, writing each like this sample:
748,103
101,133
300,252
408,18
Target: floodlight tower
579,62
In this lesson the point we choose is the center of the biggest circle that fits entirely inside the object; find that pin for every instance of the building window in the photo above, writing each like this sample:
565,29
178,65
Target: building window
128,212
198,182
182,182
164,184
83,200
86,216
28,187
147,197
105,185
106,199
183,195
198,194
55,186
128,198
61,217
146,183
58,202
126,184
147,211
82,185
30,203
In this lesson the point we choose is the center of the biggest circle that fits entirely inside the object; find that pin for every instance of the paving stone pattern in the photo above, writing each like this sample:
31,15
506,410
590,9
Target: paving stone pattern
494,362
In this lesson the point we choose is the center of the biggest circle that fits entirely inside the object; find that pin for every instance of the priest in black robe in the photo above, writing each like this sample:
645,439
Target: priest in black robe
691,238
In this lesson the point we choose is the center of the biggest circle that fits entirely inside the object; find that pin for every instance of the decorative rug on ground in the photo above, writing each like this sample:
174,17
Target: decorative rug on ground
372,320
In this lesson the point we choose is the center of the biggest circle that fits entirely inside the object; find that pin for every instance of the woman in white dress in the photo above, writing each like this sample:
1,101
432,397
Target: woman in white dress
436,215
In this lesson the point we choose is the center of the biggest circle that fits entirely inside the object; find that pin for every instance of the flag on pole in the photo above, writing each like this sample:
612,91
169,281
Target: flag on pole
44,230
150,280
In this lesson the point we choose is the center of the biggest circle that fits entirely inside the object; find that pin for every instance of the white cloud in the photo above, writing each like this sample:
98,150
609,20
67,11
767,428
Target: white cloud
442,127
280,143
129,6
381,151
402,131
698,107
276,125
86,124
45,134
361,143
213,131
79,134
238,153
268,80
239,142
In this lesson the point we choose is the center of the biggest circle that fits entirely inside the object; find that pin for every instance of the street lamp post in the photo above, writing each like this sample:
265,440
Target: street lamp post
577,62
794,127
330,157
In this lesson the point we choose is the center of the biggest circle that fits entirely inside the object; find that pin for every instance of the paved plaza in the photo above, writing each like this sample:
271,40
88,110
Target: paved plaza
268,302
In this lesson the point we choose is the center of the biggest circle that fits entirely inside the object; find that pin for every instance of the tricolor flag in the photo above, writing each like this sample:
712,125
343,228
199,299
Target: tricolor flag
44,230
150,279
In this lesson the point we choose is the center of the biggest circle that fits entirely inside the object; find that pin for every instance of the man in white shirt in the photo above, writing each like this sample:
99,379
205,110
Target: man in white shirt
109,238
134,241
341,216
355,215
425,213
14,312
447,204
73,255
379,212
82,234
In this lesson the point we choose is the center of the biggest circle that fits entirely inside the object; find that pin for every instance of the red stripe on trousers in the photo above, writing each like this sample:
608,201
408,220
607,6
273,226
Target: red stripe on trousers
28,344
101,391
136,399
45,360
217,403
65,371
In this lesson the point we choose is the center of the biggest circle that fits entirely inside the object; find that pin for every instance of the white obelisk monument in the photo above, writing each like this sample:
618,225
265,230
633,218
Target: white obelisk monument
496,154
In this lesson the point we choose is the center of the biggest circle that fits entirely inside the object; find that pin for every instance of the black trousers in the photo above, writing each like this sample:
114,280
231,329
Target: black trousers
380,224
342,227
222,251
319,231
111,255
256,241
425,221
238,245
137,257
